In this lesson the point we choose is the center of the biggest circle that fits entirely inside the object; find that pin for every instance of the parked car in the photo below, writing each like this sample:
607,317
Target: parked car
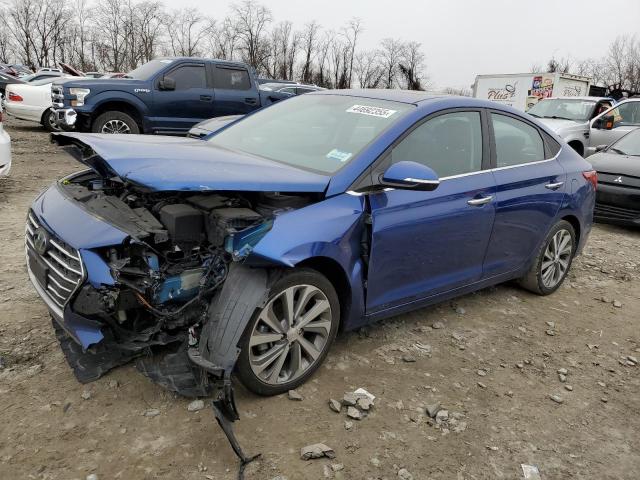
618,167
210,126
251,249
290,89
5,80
166,95
5,150
32,101
570,117
613,124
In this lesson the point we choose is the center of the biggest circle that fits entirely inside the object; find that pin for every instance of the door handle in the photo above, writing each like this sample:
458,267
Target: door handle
554,186
206,98
250,101
477,202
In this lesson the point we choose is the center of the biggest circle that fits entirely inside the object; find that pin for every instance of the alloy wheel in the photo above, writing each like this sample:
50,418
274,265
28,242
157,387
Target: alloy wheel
115,126
291,333
51,120
556,259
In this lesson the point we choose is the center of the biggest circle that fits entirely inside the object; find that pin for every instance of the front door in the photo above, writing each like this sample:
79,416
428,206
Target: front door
176,111
530,189
625,116
424,243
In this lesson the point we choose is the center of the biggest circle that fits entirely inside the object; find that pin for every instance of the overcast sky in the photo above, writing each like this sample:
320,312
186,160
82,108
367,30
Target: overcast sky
463,38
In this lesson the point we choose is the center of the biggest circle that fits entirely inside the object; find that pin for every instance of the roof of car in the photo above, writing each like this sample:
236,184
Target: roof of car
403,96
586,98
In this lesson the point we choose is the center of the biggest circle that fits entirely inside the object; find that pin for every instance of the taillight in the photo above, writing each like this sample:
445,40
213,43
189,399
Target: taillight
14,97
592,177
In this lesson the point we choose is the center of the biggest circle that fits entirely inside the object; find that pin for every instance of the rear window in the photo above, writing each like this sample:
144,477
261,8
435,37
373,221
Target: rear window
231,79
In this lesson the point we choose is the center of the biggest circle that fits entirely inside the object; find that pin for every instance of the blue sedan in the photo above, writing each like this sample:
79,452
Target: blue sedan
249,250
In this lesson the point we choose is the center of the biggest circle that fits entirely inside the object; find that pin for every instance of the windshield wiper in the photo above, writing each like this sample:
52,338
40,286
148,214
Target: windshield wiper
534,115
555,117
617,150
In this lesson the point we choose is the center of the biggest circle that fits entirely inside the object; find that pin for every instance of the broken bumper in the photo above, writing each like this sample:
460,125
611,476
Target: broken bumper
66,118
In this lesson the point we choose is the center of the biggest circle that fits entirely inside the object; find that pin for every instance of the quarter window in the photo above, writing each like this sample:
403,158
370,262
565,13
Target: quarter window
189,76
516,142
231,79
451,144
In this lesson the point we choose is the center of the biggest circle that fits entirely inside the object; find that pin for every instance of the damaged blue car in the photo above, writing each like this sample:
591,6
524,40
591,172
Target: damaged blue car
247,251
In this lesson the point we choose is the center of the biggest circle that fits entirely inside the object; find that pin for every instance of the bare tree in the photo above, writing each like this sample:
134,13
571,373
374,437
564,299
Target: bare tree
351,33
391,53
252,20
367,69
412,65
309,39
185,30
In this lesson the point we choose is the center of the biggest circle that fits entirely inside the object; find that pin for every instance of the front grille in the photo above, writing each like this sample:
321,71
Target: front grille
57,96
59,269
617,213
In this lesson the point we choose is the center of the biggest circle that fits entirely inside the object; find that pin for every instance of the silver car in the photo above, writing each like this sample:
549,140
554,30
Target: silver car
613,124
570,118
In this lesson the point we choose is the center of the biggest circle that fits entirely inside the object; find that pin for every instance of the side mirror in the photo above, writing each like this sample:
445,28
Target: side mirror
600,148
410,176
167,83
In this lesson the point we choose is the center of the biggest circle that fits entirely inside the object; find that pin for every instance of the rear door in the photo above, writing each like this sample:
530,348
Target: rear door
176,111
531,185
425,243
625,116
235,92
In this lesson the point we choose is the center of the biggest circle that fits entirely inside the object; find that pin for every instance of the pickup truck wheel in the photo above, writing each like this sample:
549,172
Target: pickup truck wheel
115,122
49,121
290,336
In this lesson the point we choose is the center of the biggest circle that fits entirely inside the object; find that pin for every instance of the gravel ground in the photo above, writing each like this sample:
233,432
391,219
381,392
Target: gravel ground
490,359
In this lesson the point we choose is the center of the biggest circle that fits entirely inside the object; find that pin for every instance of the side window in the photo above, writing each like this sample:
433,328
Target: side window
189,76
231,79
626,114
516,142
451,144
302,90
289,90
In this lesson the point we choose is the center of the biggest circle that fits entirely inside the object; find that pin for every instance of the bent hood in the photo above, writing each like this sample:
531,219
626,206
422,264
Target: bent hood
178,164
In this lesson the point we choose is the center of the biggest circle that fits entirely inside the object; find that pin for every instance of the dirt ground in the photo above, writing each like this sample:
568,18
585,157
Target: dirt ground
492,361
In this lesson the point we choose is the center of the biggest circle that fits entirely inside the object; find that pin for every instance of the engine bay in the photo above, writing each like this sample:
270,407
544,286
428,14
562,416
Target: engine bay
177,254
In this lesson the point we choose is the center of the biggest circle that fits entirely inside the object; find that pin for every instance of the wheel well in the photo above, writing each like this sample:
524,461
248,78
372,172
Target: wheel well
575,223
44,114
123,107
336,275
577,146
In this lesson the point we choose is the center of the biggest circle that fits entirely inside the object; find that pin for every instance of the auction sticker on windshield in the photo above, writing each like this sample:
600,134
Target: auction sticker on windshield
339,155
373,111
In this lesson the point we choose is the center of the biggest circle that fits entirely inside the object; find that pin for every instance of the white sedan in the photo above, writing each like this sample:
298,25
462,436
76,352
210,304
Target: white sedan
5,150
32,101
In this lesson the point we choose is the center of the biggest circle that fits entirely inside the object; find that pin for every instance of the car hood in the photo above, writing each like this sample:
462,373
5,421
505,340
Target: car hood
178,164
559,124
613,163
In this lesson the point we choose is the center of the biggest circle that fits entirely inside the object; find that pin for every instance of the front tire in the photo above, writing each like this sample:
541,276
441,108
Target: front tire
49,121
115,123
553,260
288,338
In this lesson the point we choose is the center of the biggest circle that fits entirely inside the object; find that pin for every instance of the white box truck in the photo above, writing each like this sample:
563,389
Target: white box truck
524,90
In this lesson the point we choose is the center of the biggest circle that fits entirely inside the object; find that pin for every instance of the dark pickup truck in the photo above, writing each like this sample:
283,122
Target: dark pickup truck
165,96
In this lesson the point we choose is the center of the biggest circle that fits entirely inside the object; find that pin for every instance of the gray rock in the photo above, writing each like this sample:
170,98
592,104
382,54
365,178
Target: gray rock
551,324
349,399
317,450
86,395
364,404
353,412
113,384
433,409
562,378
617,303
408,358
294,395
375,462
482,373
151,412
482,385
336,467
551,333
520,365
348,424
404,474
460,311
632,359
437,325
442,416
556,398
93,476
335,405
568,388
563,371
196,406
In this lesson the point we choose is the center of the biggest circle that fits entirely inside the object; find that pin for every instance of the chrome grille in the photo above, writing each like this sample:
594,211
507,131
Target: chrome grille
57,96
64,270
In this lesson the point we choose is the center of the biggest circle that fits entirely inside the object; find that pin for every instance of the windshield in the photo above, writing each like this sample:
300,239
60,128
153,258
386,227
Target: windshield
149,69
315,132
576,110
628,145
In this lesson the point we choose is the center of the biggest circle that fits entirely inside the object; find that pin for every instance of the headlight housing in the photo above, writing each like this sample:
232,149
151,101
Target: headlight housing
81,94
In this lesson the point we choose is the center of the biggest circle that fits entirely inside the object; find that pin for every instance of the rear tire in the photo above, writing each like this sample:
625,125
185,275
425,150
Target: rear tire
553,260
116,123
271,367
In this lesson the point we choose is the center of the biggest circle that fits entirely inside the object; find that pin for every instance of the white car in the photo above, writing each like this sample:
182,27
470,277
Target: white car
32,101
5,150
